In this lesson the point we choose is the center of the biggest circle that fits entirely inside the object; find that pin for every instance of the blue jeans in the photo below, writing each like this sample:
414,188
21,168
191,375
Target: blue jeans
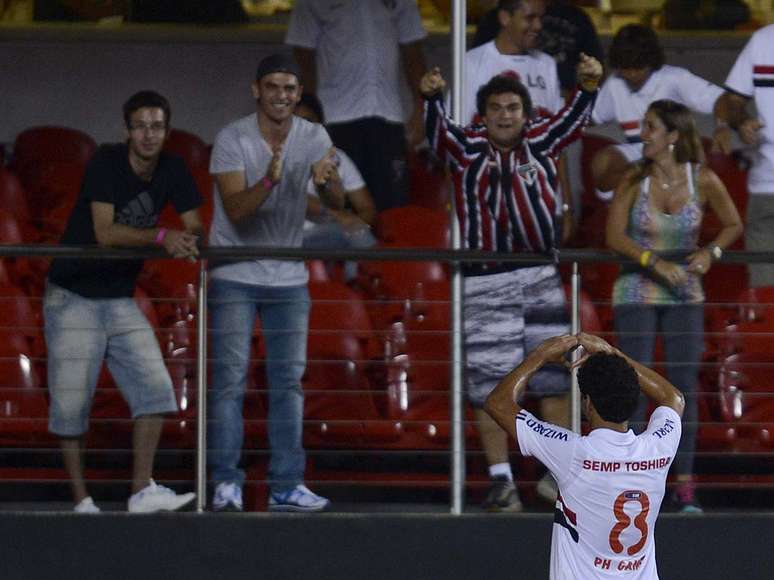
683,341
284,315
332,236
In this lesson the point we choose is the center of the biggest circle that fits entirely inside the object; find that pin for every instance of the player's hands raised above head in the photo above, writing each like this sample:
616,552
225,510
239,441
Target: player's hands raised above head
593,344
432,82
555,349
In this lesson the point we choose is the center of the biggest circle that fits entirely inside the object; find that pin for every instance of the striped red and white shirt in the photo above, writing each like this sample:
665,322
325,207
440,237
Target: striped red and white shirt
507,202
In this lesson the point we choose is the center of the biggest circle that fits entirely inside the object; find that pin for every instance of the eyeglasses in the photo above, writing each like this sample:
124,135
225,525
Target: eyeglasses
152,127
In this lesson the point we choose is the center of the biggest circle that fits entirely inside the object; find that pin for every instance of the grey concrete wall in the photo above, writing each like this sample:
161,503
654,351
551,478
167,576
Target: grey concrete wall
79,77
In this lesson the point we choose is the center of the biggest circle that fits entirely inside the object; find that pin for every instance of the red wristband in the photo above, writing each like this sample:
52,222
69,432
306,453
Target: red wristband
267,183
160,236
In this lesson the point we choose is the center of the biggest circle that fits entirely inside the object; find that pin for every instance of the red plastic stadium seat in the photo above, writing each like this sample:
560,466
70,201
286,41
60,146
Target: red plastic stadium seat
427,181
54,190
413,227
13,198
27,273
389,285
194,151
38,146
746,384
23,406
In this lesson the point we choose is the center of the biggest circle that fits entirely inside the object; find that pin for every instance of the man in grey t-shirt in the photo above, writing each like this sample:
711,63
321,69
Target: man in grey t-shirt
261,165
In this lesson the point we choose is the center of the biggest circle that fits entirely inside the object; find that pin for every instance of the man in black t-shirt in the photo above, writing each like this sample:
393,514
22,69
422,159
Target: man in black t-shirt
90,315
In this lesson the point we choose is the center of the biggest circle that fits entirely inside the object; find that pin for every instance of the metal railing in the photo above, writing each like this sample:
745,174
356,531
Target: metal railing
457,475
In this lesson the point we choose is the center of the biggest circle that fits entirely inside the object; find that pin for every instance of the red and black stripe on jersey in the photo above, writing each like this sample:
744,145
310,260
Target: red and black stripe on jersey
763,75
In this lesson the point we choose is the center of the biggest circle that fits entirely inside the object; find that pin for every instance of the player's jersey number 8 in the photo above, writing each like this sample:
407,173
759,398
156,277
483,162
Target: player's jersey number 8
623,521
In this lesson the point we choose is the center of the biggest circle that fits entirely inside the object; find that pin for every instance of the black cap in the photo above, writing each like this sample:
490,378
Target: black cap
277,63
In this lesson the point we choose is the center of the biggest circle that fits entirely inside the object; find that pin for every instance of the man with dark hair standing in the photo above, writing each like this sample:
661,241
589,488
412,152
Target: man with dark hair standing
508,200
611,481
262,164
90,315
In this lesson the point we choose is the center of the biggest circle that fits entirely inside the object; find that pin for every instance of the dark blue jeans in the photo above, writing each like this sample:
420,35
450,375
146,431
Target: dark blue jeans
682,333
284,314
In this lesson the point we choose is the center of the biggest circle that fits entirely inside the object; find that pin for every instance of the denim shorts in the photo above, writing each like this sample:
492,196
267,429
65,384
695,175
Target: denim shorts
81,333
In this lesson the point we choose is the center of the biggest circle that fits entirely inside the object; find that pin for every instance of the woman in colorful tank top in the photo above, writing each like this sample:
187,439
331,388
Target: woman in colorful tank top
658,207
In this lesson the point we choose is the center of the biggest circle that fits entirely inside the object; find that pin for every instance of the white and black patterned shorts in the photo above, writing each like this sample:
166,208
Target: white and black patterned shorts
506,315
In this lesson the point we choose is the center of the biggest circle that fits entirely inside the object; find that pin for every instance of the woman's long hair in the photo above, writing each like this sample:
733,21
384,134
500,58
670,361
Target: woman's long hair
675,117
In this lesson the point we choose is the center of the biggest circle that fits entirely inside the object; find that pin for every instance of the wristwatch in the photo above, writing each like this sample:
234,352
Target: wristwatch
715,251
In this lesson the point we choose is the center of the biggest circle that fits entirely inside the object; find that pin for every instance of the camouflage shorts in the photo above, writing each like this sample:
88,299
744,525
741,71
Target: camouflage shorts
506,315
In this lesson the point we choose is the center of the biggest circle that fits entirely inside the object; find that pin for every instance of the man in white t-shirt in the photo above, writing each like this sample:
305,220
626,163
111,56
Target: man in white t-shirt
261,165
752,78
351,53
611,481
513,53
639,78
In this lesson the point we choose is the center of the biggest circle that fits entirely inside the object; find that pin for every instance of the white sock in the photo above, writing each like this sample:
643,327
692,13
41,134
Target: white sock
500,469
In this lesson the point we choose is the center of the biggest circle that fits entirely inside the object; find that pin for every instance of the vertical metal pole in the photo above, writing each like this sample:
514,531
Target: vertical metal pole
457,410
575,410
201,390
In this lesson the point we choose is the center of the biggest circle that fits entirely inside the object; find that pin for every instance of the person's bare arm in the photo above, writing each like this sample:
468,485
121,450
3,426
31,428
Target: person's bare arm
502,403
652,384
363,204
723,206
413,60
732,108
177,243
306,59
241,201
192,221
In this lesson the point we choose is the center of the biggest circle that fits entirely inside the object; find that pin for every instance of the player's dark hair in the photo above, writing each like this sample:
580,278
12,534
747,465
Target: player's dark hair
311,102
509,6
612,384
636,46
499,85
144,99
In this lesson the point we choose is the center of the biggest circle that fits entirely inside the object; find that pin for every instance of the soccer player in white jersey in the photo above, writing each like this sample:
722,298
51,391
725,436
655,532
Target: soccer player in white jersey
752,79
640,77
611,481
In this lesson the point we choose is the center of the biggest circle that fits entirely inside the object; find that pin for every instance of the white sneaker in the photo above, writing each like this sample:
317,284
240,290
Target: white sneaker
157,498
227,498
298,499
547,489
87,506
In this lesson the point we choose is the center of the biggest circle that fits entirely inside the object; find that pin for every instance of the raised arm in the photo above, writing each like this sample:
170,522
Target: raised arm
502,403
448,140
239,199
552,135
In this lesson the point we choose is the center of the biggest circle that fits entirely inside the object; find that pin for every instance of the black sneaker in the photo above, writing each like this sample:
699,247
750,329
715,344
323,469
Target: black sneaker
502,496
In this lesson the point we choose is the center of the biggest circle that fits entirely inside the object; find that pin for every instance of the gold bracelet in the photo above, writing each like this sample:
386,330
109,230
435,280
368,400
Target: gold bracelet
645,258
